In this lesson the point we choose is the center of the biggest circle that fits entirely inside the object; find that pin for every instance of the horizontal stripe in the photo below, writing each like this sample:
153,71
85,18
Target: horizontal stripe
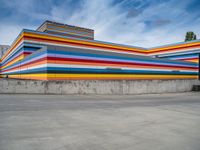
57,62
112,62
99,77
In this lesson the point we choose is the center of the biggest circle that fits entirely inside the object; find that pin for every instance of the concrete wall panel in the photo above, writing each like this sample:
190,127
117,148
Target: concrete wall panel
96,86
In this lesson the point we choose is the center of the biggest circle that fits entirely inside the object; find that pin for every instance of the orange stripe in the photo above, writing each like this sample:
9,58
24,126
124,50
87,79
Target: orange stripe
175,46
23,77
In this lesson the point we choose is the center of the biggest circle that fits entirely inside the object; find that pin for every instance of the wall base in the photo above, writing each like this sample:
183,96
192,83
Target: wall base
95,86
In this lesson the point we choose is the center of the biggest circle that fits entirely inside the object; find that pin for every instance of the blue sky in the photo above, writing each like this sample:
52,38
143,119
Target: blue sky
144,23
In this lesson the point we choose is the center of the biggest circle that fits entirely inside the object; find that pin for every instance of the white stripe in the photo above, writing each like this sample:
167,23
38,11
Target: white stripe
107,67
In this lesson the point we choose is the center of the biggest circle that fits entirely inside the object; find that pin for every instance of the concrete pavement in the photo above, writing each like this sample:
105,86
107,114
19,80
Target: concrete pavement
114,122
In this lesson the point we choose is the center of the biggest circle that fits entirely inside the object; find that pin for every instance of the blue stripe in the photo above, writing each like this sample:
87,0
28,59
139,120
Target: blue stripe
108,70
181,56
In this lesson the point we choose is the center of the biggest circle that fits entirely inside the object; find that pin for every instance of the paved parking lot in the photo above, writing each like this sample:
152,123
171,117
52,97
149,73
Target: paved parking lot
63,122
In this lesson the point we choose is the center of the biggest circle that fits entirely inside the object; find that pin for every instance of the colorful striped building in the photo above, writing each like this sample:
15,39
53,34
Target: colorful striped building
58,51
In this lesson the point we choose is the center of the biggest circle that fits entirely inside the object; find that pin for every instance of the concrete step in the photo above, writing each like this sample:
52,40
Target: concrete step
196,88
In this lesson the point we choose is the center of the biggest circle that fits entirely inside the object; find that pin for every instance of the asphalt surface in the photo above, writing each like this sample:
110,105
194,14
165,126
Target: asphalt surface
64,122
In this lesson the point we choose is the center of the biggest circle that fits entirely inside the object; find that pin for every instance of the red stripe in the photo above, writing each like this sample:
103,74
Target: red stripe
111,62
189,58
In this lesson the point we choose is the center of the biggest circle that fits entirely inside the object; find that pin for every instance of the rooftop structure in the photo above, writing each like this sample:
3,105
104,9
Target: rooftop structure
66,30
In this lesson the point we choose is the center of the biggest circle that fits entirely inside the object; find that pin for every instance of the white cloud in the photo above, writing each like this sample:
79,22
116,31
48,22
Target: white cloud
9,32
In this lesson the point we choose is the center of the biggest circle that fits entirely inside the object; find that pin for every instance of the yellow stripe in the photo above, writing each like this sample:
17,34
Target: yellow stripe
116,75
29,76
98,77
194,60
106,76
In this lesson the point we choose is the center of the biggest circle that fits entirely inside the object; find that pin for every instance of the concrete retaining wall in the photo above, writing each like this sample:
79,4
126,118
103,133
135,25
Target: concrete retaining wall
95,86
